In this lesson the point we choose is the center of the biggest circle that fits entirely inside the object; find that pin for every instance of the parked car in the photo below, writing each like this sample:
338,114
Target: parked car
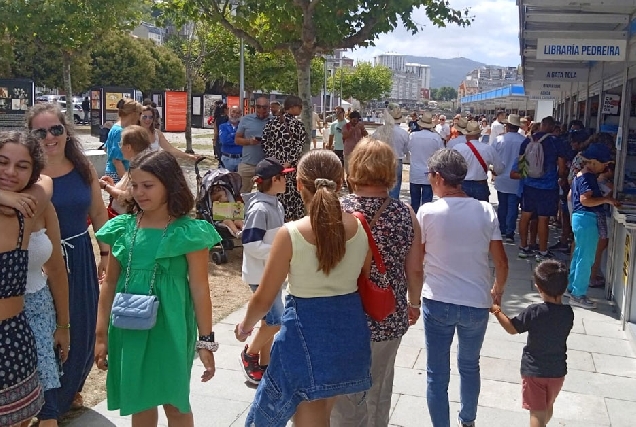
78,114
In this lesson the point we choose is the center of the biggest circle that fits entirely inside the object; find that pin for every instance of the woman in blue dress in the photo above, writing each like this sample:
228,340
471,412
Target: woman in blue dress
76,197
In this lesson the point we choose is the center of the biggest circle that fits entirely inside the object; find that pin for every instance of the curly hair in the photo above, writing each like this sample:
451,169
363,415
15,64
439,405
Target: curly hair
31,143
73,150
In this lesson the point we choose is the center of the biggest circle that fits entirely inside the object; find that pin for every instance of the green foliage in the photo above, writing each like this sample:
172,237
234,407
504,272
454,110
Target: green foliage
169,69
363,82
445,93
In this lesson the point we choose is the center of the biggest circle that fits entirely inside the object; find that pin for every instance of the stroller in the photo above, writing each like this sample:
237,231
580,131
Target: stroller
231,183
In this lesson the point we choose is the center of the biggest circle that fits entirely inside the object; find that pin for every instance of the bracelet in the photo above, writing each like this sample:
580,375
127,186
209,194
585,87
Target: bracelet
104,253
67,326
411,305
207,338
205,345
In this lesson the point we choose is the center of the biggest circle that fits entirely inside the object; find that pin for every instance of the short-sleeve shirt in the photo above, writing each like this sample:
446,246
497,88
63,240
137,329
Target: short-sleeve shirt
336,131
581,185
251,126
113,149
507,146
422,145
553,148
548,326
457,232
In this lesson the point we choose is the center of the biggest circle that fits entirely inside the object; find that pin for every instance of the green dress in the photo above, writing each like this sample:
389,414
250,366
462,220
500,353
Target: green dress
151,368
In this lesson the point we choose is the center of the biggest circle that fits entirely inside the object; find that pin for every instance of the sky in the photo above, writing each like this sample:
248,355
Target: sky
492,38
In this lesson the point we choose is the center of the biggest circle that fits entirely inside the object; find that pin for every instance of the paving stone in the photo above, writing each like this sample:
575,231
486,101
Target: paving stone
407,356
601,345
615,365
604,329
600,385
621,413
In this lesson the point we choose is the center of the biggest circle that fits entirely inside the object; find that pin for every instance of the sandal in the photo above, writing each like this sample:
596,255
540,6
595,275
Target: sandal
78,402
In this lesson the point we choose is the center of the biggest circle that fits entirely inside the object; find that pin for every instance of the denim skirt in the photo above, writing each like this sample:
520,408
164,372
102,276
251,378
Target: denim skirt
323,350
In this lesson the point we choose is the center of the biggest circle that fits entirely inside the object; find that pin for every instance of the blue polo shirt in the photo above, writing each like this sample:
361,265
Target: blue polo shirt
227,133
581,185
251,126
553,148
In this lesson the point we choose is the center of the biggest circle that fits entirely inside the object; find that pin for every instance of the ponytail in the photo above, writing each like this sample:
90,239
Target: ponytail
325,214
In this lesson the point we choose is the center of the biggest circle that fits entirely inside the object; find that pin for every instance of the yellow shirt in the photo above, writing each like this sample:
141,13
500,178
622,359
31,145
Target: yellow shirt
305,281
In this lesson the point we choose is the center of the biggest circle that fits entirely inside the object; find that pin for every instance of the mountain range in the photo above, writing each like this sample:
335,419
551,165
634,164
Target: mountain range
446,72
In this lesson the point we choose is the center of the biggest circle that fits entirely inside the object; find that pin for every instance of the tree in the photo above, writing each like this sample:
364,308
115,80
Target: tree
446,93
308,28
67,27
363,82
169,69
433,94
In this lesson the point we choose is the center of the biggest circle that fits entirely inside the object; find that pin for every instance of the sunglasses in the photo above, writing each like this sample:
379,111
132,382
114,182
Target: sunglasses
55,130
147,117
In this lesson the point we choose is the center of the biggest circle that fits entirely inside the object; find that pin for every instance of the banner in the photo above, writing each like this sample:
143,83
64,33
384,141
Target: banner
581,50
561,74
175,111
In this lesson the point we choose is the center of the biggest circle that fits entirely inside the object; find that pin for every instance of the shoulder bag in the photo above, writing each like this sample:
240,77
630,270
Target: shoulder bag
132,311
378,302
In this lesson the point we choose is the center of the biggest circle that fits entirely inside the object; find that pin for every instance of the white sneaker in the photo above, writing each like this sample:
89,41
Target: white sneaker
583,302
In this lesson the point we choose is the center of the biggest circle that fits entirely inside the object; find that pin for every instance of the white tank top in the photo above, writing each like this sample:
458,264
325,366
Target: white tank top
40,250
155,145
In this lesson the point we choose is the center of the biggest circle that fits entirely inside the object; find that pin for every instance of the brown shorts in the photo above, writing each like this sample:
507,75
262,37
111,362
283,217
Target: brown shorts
539,394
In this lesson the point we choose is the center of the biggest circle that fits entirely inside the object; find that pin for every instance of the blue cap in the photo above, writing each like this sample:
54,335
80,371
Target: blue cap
599,152
579,135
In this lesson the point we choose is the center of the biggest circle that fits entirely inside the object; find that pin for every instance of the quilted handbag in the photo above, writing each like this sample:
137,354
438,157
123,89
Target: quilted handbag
378,302
132,311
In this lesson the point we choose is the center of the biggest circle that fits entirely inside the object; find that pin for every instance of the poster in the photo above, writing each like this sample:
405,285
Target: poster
196,105
16,96
112,99
208,109
233,101
611,104
175,111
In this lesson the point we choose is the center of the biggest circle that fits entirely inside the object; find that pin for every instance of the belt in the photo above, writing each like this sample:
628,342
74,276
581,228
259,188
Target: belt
483,181
232,156
66,244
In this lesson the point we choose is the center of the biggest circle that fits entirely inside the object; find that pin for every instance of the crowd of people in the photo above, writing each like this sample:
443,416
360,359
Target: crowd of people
318,357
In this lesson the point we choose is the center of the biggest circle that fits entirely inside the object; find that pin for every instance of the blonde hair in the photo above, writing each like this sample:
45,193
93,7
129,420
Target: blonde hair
137,137
128,107
372,162
320,173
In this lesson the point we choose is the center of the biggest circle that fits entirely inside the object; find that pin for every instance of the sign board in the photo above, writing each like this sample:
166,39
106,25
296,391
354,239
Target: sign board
611,104
208,109
16,97
581,50
175,111
543,94
560,74
548,85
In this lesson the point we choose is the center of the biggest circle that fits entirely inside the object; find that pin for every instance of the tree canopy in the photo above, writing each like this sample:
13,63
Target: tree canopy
363,82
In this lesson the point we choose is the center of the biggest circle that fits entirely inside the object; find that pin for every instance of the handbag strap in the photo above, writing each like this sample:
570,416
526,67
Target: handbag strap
476,153
132,245
377,258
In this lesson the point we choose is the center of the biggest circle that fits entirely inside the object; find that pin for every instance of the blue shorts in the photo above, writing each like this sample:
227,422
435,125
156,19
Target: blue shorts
275,313
540,202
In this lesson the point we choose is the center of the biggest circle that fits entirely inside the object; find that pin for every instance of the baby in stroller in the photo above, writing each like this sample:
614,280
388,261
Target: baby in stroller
219,194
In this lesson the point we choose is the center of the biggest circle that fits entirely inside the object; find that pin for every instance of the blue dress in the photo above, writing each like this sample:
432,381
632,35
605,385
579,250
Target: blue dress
72,200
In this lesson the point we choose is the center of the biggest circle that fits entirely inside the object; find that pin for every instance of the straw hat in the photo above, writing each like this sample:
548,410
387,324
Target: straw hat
514,120
472,128
426,121
461,124
394,110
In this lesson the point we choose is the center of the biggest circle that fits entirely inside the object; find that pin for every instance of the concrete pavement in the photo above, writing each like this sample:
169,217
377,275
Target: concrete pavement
599,391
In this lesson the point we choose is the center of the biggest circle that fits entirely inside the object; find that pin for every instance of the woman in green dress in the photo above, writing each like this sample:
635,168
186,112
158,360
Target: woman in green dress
157,249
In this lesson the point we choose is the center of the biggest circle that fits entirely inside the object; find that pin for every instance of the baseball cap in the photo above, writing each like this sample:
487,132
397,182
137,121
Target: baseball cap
269,168
598,152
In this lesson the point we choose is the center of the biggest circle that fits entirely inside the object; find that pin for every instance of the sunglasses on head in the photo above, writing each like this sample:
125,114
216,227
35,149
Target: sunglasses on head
55,130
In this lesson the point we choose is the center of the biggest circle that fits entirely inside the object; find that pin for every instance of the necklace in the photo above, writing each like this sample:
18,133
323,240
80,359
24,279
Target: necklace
454,193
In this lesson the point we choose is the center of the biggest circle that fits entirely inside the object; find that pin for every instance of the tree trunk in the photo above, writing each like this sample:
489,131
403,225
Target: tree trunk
303,66
188,130
68,87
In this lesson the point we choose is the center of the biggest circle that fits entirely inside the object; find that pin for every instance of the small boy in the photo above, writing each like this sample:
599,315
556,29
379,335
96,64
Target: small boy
264,215
543,363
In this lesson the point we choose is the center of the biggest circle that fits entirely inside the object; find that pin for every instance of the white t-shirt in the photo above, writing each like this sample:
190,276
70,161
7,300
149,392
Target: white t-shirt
443,130
457,232
453,142
495,130
475,169
422,145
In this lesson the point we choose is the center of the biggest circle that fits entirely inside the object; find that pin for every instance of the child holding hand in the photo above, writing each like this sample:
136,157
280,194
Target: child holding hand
543,363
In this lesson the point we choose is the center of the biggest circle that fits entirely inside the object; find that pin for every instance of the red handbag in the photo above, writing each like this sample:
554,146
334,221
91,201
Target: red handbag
378,302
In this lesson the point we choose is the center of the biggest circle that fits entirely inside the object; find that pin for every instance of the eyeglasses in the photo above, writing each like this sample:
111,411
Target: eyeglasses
147,117
262,106
55,130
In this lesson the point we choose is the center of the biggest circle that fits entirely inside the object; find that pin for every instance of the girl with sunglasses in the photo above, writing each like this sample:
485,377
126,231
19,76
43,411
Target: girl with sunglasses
76,197
148,120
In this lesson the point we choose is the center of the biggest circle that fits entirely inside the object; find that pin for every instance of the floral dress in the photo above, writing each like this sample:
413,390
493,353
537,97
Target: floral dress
283,139
394,234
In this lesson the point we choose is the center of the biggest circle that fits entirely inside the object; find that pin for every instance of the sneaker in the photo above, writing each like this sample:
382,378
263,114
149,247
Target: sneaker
583,302
567,293
510,238
560,246
251,369
525,252
543,256
461,424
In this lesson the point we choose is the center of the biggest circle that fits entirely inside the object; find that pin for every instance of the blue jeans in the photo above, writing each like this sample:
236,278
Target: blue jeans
420,194
585,228
507,212
395,191
230,163
440,322
477,190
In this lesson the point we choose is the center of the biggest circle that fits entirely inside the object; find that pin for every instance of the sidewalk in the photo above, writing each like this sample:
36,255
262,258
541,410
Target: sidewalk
600,389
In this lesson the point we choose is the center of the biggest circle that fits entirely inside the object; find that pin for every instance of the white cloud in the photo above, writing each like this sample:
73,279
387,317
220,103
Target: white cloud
492,38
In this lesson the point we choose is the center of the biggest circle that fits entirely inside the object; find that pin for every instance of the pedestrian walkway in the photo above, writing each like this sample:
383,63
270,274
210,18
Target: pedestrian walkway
599,391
